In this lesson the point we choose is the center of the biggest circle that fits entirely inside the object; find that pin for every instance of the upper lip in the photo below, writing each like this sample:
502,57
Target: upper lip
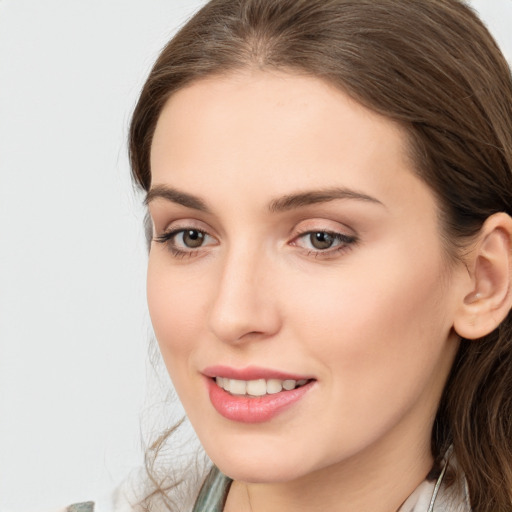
251,373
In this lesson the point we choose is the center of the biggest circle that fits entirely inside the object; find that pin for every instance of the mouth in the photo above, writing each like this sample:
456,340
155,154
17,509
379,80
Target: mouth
259,387
255,395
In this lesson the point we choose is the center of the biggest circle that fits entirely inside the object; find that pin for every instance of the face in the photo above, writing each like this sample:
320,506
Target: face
297,259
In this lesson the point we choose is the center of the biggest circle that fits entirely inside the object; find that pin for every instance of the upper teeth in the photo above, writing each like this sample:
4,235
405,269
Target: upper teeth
258,387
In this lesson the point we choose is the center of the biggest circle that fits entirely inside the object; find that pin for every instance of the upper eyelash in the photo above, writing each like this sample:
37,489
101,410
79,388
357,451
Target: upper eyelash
334,234
346,242
165,238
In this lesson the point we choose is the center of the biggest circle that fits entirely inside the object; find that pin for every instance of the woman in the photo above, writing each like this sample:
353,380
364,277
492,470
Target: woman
329,184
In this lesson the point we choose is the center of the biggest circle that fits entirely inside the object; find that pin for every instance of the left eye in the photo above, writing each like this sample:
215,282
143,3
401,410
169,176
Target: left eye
323,240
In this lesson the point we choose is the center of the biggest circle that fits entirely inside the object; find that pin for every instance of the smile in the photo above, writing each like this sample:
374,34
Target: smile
259,387
254,395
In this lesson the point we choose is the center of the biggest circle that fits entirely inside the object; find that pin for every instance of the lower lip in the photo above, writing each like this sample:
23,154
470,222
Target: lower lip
253,409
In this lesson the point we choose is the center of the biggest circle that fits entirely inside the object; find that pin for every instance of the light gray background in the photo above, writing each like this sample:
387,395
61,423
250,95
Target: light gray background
73,320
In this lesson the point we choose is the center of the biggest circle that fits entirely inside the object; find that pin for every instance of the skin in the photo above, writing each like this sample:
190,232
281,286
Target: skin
370,320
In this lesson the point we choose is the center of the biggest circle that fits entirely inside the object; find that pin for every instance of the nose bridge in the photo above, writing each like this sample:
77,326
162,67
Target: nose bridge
244,302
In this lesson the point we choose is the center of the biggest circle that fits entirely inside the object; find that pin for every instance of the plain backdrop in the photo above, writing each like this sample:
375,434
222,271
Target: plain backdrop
74,326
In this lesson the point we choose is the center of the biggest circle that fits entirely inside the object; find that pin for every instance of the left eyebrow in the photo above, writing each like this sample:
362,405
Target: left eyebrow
301,199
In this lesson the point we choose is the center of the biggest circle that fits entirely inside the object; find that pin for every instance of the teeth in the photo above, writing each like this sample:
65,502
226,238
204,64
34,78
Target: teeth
237,387
258,387
289,384
274,386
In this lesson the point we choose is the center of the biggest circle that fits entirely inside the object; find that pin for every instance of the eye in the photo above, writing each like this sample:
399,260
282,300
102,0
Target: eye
324,242
185,241
191,238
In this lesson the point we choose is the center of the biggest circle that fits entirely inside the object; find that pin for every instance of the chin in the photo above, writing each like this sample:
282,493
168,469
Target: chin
259,468
260,475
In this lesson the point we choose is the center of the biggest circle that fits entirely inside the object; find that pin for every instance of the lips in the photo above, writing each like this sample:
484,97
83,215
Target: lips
251,373
254,395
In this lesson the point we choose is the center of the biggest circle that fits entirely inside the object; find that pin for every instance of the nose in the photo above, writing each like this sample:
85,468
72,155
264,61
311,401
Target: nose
245,303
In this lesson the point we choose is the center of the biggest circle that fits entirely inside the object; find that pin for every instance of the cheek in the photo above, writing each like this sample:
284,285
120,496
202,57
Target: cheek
176,313
379,327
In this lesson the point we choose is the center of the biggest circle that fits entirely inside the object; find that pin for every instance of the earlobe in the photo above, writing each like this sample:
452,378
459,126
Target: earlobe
489,264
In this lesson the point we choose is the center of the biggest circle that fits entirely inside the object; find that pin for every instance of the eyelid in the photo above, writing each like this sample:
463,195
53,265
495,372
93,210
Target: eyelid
167,237
165,223
170,233
344,237
321,225
340,237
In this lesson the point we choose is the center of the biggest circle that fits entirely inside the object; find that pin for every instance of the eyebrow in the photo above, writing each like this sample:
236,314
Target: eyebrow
176,196
281,204
301,199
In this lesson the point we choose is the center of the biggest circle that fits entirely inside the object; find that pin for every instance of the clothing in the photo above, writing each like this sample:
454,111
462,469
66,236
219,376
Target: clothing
81,507
428,496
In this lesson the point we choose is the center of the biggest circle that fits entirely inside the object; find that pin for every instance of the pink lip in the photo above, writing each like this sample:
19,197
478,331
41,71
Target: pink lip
246,409
251,373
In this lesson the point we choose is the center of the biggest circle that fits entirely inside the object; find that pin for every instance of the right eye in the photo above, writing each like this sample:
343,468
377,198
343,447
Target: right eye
185,241
190,238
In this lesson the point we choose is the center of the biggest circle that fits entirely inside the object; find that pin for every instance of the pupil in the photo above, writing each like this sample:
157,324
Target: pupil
321,240
193,238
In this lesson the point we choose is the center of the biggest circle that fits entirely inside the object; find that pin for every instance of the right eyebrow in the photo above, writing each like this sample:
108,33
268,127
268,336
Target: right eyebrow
175,196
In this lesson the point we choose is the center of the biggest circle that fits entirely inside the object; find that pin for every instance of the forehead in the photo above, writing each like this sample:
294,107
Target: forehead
265,104
283,130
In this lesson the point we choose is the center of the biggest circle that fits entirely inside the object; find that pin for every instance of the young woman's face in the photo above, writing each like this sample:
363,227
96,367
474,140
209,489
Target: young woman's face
298,259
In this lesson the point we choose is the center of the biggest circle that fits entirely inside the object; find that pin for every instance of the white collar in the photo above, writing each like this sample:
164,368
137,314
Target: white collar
436,496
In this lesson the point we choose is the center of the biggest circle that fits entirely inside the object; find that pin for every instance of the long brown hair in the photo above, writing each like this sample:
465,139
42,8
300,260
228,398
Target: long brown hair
432,66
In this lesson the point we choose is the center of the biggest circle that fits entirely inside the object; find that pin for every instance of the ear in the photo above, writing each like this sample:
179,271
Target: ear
488,296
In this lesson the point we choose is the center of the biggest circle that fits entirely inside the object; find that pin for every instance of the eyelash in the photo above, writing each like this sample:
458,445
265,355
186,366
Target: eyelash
168,240
345,243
